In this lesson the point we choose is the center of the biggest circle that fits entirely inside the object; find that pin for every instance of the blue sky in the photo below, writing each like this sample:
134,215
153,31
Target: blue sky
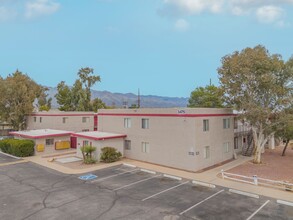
163,47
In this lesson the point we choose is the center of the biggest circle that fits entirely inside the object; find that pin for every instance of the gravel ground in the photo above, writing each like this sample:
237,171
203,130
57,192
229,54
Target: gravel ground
274,166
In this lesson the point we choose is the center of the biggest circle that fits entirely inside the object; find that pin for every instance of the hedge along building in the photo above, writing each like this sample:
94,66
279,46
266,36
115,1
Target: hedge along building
189,139
71,121
46,140
99,140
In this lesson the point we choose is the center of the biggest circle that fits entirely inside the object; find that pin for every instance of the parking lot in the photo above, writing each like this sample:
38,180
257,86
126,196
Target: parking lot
29,191
7,159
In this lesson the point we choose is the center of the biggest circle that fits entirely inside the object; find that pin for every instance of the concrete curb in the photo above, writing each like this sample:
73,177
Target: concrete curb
13,163
129,165
285,202
244,193
203,184
172,177
148,171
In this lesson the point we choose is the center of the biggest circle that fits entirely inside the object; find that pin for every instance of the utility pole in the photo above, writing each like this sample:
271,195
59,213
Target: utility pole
138,99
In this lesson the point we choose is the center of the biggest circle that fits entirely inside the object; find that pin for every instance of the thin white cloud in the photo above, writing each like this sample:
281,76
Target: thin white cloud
181,25
6,14
173,7
269,14
38,8
265,11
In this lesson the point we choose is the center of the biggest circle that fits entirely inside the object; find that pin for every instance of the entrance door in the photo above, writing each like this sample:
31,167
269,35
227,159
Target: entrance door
95,122
73,142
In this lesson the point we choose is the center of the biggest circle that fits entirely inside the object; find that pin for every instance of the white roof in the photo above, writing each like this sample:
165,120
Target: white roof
98,135
40,133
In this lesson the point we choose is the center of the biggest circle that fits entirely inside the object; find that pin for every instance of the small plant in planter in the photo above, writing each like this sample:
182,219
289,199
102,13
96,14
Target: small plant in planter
110,154
87,154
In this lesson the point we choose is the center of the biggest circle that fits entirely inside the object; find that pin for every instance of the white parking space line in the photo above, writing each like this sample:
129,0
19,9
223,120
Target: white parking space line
131,184
201,202
164,191
253,214
108,177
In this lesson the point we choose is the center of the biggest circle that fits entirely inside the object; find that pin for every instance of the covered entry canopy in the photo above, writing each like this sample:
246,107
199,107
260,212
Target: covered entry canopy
98,135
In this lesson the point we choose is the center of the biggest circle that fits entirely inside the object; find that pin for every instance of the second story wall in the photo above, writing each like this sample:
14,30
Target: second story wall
70,121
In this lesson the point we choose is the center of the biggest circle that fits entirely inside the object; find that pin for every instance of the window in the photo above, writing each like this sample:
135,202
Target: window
85,130
127,122
235,142
85,119
235,123
226,147
50,141
145,123
206,152
64,119
85,143
226,123
35,119
205,125
127,144
40,119
145,147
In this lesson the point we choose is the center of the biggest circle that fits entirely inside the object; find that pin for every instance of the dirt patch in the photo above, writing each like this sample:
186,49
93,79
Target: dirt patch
273,166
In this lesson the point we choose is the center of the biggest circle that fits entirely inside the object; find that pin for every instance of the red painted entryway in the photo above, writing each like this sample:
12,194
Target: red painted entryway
73,142
95,123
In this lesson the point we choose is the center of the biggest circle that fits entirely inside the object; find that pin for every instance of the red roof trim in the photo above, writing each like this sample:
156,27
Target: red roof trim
39,136
166,115
99,138
86,114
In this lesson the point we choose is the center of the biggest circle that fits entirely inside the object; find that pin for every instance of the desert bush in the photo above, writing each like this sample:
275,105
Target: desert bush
110,154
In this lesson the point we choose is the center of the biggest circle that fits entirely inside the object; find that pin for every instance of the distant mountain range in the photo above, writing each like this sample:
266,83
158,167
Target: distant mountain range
127,99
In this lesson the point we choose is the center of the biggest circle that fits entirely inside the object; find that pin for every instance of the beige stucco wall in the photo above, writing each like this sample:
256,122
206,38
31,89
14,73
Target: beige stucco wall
116,143
48,148
54,120
171,138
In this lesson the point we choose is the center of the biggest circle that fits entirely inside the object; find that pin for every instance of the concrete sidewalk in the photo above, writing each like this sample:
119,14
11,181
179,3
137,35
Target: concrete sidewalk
209,176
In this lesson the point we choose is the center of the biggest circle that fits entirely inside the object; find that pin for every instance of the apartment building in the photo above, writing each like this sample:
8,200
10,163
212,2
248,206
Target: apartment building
59,120
187,138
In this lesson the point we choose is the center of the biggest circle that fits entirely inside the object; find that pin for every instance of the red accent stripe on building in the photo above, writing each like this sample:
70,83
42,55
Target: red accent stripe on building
166,115
39,136
99,138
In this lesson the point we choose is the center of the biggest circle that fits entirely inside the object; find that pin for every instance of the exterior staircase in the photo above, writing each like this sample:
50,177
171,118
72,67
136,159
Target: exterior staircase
248,149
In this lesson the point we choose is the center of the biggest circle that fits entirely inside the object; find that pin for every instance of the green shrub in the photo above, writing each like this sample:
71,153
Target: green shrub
87,154
110,154
19,148
4,145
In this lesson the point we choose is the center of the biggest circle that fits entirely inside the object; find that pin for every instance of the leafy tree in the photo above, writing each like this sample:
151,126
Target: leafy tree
88,80
207,97
78,97
98,104
284,129
63,97
44,104
257,84
18,93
